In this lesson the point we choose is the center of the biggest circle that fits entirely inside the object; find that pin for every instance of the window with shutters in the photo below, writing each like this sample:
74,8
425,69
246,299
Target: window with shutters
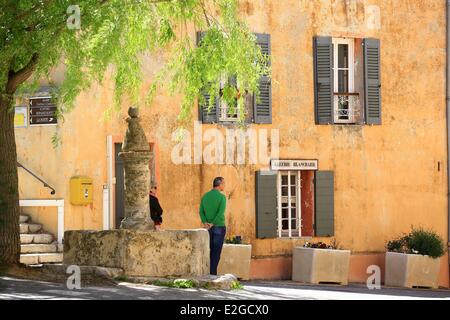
347,84
257,107
294,204
346,106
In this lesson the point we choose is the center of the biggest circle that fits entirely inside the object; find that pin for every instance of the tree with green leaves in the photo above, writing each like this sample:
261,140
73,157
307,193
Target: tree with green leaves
93,37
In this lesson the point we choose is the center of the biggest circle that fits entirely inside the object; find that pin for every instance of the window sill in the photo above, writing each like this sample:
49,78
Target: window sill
295,238
344,124
229,124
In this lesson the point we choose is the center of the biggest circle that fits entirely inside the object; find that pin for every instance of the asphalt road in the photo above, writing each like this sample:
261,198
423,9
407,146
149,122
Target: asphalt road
17,289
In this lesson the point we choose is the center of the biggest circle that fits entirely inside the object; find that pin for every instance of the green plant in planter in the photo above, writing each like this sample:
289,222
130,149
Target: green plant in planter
234,240
418,241
397,245
322,245
316,245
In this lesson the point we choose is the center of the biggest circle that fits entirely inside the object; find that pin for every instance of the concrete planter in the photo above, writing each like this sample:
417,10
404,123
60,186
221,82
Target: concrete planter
235,259
411,270
320,265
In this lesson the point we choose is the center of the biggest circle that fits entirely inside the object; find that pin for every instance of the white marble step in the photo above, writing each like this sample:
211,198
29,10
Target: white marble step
41,238
40,258
30,227
38,248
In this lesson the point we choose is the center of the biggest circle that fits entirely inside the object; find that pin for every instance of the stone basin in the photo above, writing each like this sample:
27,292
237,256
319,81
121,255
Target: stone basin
167,253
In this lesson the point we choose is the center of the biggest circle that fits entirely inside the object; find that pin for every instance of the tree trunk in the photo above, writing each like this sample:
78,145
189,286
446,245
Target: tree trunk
9,191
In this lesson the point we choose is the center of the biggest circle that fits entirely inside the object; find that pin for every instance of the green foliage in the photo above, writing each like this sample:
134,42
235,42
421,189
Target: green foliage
114,37
418,241
122,278
234,240
183,283
397,245
322,245
56,140
236,285
425,242
177,283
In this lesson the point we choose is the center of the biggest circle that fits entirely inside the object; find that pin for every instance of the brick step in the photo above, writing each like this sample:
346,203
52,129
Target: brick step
24,218
38,248
30,227
41,238
40,258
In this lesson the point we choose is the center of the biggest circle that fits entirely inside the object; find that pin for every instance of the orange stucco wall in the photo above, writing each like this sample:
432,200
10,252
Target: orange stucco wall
386,177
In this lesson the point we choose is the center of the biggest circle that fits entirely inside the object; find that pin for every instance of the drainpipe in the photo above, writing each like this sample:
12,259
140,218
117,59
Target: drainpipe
448,121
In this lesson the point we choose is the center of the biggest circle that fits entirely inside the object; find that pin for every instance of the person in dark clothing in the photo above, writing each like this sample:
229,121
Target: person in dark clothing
155,208
212,215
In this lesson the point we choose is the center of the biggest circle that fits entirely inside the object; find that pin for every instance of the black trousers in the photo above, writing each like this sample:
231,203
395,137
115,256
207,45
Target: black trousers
216,239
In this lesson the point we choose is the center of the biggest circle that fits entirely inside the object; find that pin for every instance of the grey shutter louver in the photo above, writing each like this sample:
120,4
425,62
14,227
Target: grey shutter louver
323,80
372,81
262,105
266,204
208,116
324,204
205,115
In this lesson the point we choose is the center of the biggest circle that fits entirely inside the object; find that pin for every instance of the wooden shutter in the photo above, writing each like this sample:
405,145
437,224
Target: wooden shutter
266,204
262,104
323,80
205,115
324,204
208,114
372,81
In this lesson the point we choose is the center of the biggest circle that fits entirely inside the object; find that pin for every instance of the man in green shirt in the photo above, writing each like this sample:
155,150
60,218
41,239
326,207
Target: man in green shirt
212,214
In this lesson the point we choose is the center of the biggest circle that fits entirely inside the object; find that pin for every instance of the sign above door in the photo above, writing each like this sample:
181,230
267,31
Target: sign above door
294,165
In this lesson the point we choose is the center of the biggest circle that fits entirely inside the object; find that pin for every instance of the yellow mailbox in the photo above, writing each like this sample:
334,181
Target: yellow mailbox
80,190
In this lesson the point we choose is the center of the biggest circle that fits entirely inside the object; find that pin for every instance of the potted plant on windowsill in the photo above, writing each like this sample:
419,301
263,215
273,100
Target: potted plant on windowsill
320,263
413,259
235,258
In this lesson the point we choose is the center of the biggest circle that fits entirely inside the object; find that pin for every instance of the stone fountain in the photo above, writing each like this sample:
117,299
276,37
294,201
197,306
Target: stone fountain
136,248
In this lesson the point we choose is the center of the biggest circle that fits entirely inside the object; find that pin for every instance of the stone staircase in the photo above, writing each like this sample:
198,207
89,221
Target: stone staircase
37,247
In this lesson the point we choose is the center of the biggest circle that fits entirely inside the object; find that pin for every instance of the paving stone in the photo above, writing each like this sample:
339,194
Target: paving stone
102,272
223,282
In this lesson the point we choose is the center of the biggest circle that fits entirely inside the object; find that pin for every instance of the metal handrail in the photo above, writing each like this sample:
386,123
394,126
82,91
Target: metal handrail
36,177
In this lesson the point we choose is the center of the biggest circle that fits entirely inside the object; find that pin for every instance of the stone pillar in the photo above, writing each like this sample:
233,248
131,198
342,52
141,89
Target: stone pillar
136,158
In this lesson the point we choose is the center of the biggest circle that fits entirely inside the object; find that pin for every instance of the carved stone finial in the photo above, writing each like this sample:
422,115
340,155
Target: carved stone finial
135,139
133,112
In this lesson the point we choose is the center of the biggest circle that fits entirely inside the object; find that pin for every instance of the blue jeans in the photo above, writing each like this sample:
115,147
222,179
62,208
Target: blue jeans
216,239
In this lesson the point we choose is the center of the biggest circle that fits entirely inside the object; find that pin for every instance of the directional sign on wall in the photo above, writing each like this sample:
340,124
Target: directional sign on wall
42,111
